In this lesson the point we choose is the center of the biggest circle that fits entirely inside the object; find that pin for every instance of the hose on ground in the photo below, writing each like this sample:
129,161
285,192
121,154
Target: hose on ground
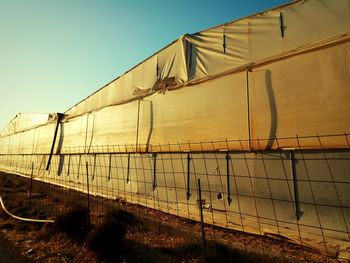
22,218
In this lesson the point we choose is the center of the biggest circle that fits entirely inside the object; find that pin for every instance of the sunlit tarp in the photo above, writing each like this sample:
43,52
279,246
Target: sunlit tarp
275,80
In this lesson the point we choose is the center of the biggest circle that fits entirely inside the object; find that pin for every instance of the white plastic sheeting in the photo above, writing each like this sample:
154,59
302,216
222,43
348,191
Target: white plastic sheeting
24,121
276,80
281,73
227,47
263,190
301,95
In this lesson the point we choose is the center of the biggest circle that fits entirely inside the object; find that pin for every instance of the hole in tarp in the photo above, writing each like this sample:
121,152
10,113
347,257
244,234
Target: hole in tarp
220,196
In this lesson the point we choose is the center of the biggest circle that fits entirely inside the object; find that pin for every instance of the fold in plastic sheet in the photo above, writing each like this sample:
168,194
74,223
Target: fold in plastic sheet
169,62
220,108
226,47
301,90
304,93
172,62
181,117
264,35
36,140
300,96
24,121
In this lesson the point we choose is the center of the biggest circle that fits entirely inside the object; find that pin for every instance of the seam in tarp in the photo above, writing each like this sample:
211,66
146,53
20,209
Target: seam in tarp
295,52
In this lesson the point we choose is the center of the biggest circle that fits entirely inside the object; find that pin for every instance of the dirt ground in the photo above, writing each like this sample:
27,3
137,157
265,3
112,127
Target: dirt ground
146,235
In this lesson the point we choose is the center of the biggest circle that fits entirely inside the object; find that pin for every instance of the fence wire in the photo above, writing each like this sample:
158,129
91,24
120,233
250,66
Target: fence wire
295,199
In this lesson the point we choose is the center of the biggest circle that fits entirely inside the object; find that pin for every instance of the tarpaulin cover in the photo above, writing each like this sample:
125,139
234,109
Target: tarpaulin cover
280,73
276,80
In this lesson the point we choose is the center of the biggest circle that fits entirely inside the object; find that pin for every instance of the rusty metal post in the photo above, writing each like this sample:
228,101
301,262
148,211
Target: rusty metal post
68,169
88,190
228,157
31,185
298,212
202,221
109,167
188,192
128,170
154,185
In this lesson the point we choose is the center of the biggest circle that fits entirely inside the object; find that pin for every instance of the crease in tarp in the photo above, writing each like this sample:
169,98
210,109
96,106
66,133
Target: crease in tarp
261,33
310,47
206,66
304,49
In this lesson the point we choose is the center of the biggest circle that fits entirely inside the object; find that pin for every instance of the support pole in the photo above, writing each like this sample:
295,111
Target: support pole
59,118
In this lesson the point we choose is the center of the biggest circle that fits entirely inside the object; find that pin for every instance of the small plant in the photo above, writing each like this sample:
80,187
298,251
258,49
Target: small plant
121,216
107,239
74,222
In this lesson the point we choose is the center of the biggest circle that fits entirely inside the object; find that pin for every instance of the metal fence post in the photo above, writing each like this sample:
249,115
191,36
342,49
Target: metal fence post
202,221
88,190
154,171
188,192
31,185
228,157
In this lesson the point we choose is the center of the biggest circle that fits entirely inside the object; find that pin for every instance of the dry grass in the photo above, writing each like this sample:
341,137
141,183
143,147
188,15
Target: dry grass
130,233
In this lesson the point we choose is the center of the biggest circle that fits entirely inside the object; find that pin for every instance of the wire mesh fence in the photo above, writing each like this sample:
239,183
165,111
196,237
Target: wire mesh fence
296,199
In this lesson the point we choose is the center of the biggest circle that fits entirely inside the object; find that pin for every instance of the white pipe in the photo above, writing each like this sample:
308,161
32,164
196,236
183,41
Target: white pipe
22,218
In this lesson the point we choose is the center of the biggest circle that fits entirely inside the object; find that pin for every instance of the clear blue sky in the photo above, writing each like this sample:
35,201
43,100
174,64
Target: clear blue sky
54,53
